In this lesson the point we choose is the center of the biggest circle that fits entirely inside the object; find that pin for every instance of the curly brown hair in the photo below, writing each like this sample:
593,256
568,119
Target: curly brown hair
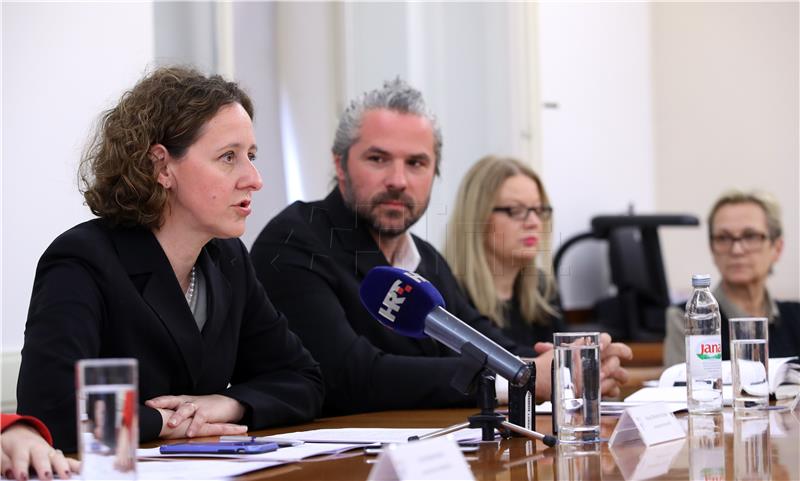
169,106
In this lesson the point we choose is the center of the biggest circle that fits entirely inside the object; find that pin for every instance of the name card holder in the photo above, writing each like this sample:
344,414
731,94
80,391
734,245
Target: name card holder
436,458
652,423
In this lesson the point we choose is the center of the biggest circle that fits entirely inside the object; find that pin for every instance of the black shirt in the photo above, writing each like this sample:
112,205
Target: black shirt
527,333
311,259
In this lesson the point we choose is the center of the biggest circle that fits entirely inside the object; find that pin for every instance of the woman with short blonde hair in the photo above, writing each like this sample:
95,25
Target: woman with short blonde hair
745,236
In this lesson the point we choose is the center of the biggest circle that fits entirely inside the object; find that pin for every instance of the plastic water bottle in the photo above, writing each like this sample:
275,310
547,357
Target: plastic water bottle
703,349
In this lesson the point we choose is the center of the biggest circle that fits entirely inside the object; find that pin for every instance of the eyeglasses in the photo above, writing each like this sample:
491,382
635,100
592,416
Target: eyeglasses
521,213
750,241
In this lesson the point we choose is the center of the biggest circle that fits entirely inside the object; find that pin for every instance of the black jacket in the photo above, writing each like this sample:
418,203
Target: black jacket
311,259
110,292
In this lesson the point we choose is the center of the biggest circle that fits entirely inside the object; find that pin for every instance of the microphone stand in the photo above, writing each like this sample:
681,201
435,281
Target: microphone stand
474,371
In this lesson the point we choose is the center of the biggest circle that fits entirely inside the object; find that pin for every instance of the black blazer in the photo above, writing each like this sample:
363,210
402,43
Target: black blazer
311,259
111,292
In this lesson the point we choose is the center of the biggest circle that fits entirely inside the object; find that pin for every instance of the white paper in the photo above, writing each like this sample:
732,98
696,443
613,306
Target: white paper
779,368
614,408
431,459
208,469
674,394
372,435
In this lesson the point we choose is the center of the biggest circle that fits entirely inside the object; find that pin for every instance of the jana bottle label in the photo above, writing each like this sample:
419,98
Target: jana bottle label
705,356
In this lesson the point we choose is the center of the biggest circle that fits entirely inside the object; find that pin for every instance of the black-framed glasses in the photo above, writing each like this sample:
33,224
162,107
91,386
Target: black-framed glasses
750,241
521,213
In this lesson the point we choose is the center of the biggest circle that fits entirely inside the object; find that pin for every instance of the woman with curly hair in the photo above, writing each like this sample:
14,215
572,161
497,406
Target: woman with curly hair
160,275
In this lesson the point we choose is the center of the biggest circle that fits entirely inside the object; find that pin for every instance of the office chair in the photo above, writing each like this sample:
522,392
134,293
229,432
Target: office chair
637,311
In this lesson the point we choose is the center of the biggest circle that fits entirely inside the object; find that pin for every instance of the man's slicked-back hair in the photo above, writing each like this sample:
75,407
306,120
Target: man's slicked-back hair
395,95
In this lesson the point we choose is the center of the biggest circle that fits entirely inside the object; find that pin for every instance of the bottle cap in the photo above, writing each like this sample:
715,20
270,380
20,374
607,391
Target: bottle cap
701,280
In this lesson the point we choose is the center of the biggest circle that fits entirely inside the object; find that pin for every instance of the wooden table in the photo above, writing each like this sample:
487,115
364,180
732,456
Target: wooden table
721,447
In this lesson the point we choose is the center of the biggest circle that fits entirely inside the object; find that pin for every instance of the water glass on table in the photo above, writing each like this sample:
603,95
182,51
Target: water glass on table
749,363
107,417
576,386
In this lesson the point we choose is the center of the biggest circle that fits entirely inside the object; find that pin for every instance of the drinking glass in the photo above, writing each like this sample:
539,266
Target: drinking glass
749,363
107,418
576,386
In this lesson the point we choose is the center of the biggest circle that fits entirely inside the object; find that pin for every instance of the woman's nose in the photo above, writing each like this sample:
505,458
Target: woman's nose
252,178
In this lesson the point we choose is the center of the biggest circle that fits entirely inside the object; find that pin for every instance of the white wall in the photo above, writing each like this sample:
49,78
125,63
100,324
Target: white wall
255,64
62,65
727,114
308,88
240,41
597,131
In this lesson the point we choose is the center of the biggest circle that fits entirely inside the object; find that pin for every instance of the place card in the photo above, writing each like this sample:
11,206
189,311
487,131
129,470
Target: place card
436,458
652,423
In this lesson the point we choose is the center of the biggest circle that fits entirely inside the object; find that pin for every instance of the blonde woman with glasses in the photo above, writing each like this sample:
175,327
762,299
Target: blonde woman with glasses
746,240
499,250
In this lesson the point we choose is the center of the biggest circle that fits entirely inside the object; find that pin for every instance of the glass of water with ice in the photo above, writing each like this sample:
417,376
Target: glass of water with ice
107,417
749,363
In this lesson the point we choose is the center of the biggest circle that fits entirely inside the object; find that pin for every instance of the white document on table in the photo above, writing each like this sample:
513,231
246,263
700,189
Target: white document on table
188,469
780,370
616,408
673,394
371,435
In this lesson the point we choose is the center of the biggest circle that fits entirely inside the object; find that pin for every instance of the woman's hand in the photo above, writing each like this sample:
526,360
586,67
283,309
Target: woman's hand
192,416
24,448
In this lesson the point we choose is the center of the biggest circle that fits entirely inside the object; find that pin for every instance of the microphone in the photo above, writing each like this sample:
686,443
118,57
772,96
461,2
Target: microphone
409,305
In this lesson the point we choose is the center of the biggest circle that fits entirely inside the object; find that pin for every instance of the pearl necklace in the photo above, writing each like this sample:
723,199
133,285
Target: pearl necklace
192,283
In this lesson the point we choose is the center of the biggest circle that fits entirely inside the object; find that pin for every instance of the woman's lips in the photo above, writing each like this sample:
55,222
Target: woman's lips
530,241
243,207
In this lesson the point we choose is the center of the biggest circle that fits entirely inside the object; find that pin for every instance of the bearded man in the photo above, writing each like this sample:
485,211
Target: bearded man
312,257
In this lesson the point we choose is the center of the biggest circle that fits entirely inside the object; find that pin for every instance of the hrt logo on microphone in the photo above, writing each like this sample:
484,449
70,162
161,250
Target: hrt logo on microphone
396,295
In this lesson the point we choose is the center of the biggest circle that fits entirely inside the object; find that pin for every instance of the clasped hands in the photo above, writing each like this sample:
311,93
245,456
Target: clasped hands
612,374
196,416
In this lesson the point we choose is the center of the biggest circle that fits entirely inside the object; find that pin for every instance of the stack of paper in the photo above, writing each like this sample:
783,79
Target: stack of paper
155,465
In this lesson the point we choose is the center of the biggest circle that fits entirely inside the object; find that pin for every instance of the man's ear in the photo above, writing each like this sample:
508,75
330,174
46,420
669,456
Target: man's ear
158,155
337,162
340,172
